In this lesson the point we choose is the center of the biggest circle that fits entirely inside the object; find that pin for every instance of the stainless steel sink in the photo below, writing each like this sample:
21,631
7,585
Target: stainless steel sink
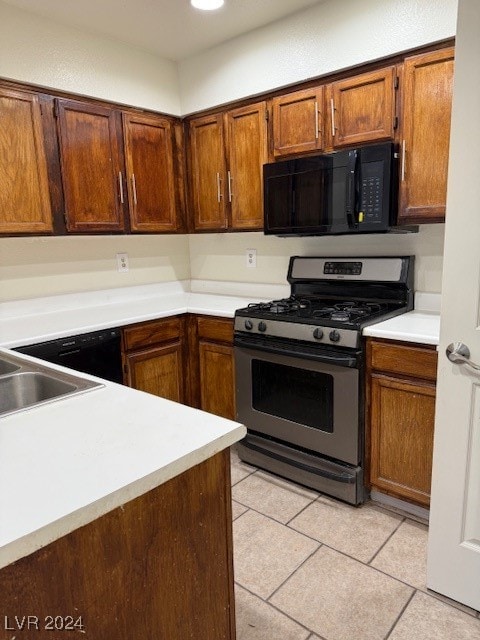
25,384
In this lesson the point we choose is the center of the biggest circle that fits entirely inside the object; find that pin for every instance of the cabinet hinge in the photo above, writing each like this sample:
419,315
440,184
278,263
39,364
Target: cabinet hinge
65,218
397,82
266,115
395,122
55,108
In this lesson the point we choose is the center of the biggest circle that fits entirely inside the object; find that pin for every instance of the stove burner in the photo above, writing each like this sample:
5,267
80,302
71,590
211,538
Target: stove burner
348,311
285,305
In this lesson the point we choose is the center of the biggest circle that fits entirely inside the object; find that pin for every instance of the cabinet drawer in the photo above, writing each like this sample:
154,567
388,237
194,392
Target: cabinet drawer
414,361
150,333
215,329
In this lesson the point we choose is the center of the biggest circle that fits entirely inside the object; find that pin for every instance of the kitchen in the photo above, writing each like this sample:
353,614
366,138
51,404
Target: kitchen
61,265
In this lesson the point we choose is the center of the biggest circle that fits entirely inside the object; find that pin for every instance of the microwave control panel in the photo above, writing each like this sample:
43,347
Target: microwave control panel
371,183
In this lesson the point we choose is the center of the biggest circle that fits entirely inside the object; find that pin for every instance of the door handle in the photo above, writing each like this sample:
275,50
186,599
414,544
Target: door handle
459,353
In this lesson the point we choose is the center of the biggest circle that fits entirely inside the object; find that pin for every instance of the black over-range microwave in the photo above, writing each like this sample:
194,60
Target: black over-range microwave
351,191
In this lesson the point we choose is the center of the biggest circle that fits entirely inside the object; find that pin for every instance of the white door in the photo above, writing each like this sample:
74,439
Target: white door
454,540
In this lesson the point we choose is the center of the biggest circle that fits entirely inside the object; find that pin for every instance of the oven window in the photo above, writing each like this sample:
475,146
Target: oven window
298,395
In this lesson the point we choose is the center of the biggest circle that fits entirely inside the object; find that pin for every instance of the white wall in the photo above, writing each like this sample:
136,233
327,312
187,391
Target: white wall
324,38
36,267
221,257
42,52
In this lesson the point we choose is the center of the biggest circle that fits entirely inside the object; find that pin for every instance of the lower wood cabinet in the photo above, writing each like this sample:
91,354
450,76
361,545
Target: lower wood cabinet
401,416
212,363
187,359
155,358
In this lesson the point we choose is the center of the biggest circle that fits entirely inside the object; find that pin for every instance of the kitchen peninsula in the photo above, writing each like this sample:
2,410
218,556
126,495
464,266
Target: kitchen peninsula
116,517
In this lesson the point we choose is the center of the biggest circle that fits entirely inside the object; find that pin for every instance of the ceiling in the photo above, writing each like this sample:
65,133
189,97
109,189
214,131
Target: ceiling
171,29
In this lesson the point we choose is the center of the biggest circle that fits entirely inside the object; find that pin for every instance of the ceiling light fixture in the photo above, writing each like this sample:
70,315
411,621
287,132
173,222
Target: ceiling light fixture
207,5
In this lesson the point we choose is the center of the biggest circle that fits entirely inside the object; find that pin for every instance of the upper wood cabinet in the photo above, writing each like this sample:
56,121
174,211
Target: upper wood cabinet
100,190
227,153
427,98
91,167
208,173
24,195
150,173
362,108
247,151
298,122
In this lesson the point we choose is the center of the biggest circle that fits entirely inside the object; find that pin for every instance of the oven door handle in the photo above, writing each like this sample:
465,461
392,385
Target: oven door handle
346,478
342,360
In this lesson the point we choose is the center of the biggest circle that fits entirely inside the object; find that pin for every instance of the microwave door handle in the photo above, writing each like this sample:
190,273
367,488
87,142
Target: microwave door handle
351,189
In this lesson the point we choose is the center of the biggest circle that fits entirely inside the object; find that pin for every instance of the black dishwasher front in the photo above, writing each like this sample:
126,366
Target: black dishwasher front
97,353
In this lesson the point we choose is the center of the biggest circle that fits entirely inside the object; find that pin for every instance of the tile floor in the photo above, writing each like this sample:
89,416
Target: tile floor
308,567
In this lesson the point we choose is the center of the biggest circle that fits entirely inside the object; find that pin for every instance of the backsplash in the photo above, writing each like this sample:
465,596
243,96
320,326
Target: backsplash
42,266
222,256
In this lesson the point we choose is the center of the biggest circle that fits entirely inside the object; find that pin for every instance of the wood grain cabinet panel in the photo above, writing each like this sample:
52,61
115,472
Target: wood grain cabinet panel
155,358
427,100
401,418
402,424
24,195
362,108
158,567
150,175
298,122
217,382
247,151
208,173
91,166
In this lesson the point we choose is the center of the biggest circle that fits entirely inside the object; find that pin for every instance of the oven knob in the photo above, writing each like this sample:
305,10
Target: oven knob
262,326
318,334
248,324
334,336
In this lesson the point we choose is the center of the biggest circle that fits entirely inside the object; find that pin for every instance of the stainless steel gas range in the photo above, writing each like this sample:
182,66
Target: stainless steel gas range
300,369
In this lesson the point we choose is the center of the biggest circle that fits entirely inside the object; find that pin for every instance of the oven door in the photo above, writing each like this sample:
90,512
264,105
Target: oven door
308,403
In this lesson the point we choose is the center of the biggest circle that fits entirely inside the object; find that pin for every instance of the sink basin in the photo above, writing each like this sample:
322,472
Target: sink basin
22,390
25,384
7,367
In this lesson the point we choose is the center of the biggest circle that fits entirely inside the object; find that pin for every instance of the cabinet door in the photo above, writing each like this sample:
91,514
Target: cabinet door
158,371
298,122
428,81
24,195
362,108
247,152
208,173
217,382
91,167
402,423
150,177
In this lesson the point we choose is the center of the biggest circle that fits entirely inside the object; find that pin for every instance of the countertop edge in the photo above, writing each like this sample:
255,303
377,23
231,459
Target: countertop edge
40,538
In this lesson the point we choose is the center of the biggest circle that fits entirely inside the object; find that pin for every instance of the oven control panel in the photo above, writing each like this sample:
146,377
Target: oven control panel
298,331
342,268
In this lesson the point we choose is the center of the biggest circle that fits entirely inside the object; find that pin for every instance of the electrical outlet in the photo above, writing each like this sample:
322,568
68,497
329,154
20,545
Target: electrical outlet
251,256
122,262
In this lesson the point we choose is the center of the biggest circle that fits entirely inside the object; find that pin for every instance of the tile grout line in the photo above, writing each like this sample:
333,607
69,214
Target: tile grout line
383,545
277,609
301,511
294,571
400,615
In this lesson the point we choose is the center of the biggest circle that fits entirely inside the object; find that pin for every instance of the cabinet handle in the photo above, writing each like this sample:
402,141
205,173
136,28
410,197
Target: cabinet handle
332,109
317,132
230,179
120,184
403,159
134,189
219,194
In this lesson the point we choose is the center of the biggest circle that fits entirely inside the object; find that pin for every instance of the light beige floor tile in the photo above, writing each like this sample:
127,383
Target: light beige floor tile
405,554
238,469
237,509
357,531
257,620
273,496
342,599
266,552
427,618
